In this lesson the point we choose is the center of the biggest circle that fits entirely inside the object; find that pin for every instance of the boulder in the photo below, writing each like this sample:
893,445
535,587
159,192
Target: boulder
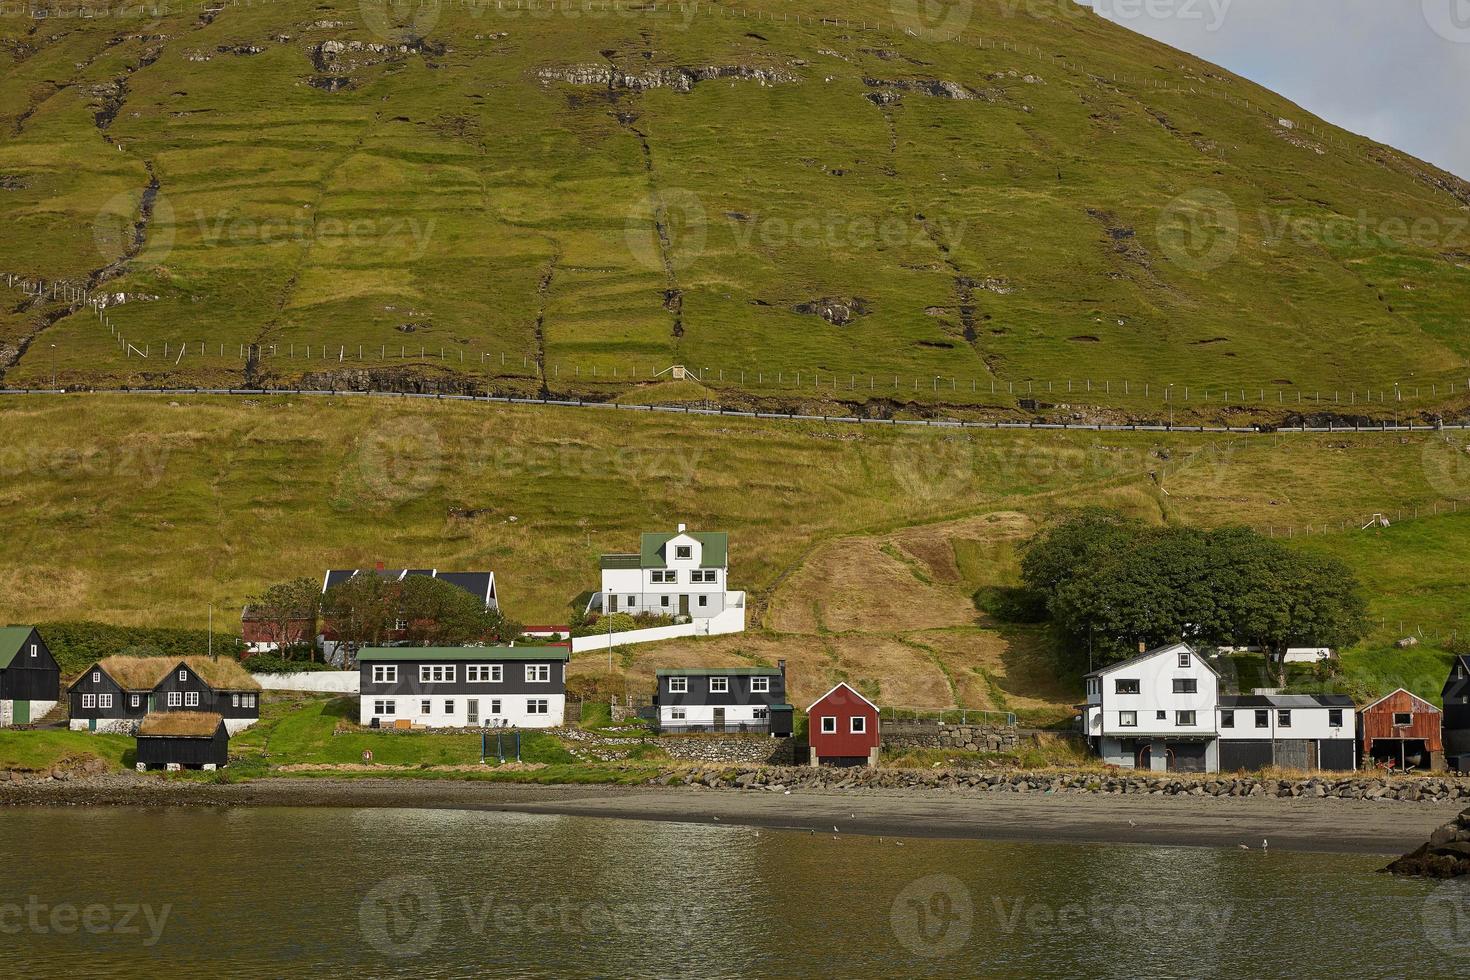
1445,855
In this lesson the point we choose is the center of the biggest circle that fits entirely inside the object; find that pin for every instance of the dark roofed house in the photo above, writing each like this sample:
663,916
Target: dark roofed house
723,699
183,740
463,687
481,585
116,693
1456,700
1289,731
30,680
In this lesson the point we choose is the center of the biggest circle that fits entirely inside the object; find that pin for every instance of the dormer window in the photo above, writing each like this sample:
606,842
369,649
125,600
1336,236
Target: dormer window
683,552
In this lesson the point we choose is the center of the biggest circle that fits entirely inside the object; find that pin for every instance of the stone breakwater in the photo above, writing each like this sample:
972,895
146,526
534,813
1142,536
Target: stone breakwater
1446,855
1402,789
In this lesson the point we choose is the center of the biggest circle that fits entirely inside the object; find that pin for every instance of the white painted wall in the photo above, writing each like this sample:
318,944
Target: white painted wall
443,714
1308,723
324,681
705,714
731,620
1155,676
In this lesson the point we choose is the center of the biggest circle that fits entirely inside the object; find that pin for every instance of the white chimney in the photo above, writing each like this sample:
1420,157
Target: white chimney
681,528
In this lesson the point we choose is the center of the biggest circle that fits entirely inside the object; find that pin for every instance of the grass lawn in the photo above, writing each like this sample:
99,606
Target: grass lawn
37,751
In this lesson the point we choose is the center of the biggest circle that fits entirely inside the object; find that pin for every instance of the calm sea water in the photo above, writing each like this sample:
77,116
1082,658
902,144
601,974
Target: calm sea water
435,893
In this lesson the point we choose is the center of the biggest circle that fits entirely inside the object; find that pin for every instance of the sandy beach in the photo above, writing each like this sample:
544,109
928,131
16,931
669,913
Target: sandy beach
1329,825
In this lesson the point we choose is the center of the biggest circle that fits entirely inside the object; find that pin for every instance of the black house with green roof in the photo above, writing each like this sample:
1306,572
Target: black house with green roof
30,679
463,687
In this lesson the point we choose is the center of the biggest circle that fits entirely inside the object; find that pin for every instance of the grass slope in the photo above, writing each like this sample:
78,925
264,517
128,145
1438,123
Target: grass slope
487,198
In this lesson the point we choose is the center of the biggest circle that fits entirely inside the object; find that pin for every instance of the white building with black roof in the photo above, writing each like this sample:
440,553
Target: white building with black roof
723,699
1288,731
1155,711
463,687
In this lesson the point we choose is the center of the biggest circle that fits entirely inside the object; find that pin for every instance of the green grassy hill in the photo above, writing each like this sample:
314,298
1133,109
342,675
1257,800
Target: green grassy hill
874,210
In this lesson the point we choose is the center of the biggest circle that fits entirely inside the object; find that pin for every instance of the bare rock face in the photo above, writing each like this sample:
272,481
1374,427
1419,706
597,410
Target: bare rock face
836,310
939,88
1445,855
680,79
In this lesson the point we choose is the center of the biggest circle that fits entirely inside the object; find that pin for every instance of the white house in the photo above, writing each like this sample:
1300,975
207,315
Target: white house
1155,711
683,575
462,687
1290,731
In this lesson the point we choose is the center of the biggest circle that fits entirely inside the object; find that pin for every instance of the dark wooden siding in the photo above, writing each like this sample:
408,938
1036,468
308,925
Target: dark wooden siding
699,694
162,750
30,678
210,700
1376,722
104,685
513,682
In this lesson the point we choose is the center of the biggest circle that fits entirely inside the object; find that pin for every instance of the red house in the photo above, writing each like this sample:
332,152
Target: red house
842,729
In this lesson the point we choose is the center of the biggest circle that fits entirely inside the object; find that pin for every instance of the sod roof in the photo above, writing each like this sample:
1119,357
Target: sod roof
145,673
177,724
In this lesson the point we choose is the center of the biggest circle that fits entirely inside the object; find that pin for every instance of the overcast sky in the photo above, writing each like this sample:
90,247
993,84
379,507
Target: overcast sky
1394,70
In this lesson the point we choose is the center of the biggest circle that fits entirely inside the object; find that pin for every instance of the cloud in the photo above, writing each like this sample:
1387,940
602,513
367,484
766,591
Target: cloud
1394,70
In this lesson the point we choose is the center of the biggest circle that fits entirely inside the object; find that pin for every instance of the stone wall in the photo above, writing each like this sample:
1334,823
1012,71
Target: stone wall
901,735
730,748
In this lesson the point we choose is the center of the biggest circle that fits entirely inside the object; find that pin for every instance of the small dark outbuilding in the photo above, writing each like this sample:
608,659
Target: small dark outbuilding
30,680
183,740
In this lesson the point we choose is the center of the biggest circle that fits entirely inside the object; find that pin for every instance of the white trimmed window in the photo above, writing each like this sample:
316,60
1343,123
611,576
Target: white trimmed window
1334,717
183,675
1283,717
104,700
96,677
677,714
249,701
702,576
760,685
859,725
234,700
449,707
436,673
538,673
89,701
1184,719
678,685
536,706
663,578
385,673
484,673
191,699
1184,660
33,649
632,601
683,552
1227,719
175,699
719,685
495,706
384,708
703,600
136,700
425,707
829,724
1127,719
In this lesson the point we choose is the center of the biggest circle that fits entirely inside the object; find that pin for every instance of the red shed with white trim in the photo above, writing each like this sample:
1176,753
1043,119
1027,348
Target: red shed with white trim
842,729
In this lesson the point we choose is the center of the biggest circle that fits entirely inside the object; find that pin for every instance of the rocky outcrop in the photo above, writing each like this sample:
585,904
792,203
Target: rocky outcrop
836,310
1445,855
937,87
680,79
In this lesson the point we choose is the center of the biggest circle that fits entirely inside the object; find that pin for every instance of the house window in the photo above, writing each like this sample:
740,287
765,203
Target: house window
663,578
449,707
33,649
683,552
96,677
676,714
1283,717
1227,719
1402,719
248,701
183,675
136,700
678,685
400,624
859,724
1125,687
89,701
1184,660
536,706
436,673
104,700
384,708
704,576
1184,719
425,708
761,714
234,700
663,600
538,673
719,685
1186,685
829,725
1263,718
495,706
760,685
1127,719
704,600
484,673
632,601
1161,715
191,699
1334,717
385,673
175,699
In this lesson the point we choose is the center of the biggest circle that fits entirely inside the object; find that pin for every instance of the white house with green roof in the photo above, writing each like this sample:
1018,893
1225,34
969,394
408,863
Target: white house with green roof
683,574
30,680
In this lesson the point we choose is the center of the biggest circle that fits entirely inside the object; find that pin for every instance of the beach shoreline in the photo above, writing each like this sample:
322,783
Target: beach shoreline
1332,825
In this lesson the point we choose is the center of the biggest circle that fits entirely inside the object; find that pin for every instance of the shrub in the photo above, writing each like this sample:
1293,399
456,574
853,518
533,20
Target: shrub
79,644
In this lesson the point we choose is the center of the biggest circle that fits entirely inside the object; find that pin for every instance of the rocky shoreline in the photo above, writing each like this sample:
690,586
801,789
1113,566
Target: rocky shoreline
1445,855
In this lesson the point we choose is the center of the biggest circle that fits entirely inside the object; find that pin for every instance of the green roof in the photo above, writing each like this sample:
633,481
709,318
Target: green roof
714,548
12,638
621,561
464,653
715,671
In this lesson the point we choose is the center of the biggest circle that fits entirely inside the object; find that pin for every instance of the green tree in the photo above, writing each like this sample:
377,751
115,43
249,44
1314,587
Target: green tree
288,613
360,611
440,614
